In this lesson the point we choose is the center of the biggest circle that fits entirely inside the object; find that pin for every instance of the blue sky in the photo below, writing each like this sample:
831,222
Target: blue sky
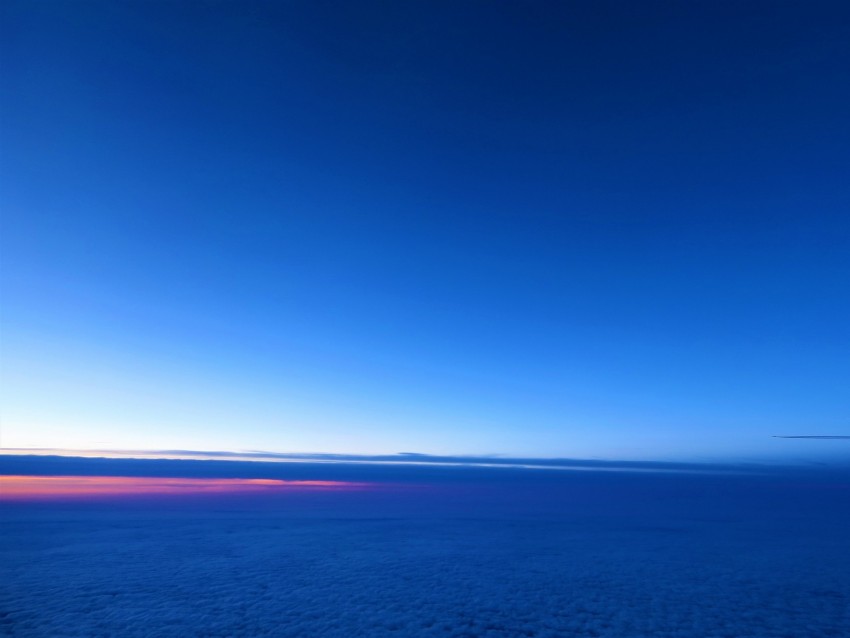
555,229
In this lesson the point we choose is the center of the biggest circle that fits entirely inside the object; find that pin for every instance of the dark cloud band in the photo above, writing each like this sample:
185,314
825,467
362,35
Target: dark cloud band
805,436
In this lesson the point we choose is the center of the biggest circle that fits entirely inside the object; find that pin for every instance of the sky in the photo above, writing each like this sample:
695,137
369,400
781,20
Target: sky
580,230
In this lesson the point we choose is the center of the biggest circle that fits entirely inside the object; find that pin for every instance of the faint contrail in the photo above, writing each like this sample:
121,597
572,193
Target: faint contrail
806,436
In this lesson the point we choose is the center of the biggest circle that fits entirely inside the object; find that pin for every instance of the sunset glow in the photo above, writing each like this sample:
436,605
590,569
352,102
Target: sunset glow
46,487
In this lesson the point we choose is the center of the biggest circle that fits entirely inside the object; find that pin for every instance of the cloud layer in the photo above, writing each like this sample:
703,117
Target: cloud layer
154,573
398,468
433,549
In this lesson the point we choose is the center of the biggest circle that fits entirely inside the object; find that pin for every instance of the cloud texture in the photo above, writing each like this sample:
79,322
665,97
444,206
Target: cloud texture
590,554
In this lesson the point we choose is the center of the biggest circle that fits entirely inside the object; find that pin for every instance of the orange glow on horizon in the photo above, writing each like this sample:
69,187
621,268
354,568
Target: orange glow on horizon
38,487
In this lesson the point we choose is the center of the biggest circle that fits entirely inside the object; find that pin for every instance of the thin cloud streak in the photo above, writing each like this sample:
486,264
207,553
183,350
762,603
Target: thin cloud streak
809,436
401,460
51,487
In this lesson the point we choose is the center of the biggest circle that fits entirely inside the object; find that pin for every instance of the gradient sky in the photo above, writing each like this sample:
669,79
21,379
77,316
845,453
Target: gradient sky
579,229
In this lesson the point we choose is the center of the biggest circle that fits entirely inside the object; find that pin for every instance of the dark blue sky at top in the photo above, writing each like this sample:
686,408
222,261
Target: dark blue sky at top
584,228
